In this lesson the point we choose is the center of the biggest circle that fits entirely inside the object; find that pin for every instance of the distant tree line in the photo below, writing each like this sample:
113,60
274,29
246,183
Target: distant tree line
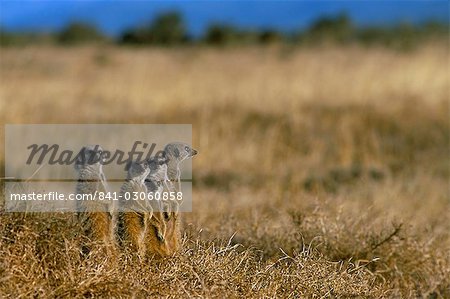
169,29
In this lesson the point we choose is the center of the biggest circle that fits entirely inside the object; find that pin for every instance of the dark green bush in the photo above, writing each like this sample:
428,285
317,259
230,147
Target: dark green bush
167,29
23,38
330,29
270,37
79,33
223,34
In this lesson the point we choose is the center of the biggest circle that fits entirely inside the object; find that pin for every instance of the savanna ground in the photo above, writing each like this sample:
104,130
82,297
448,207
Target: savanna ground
322,172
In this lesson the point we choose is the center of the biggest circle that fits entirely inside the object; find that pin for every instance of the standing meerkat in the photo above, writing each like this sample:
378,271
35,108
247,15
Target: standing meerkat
161,229
132,209
164,235
95,216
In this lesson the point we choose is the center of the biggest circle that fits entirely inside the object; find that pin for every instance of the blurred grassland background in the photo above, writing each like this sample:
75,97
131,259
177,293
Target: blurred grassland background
323,169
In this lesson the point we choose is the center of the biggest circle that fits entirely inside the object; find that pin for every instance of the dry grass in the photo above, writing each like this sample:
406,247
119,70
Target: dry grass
322,172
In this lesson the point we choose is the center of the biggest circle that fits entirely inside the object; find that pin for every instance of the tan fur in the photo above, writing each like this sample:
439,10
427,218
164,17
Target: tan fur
131,217
151,233
162,234
141,229
94,216
132,226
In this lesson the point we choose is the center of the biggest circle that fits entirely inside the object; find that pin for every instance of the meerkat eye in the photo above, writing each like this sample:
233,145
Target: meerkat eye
186,148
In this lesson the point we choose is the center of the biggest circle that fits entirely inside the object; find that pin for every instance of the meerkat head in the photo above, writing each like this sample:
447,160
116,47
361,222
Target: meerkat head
176,153
90,157
138,170
179,151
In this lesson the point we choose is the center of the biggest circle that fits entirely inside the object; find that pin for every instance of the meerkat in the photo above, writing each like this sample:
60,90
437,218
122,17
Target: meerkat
134,210
164,233
161,228
95,216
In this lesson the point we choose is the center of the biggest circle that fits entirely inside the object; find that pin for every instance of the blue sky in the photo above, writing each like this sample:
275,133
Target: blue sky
113,17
